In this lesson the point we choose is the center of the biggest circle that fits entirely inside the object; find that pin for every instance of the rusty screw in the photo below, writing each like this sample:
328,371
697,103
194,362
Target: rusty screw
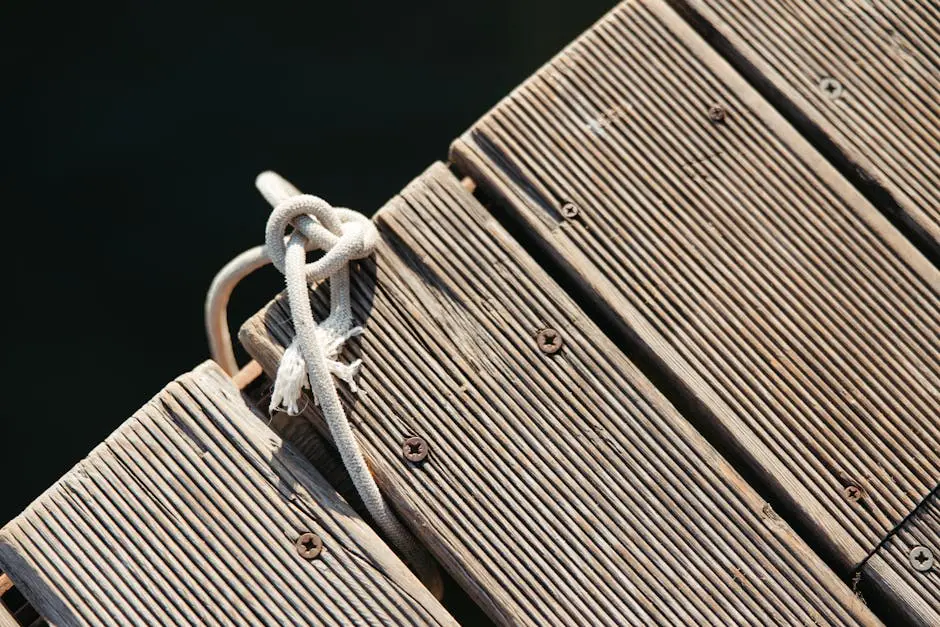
570,210
830,87
717,113
414,449
549,341
921,558
853,493
309,545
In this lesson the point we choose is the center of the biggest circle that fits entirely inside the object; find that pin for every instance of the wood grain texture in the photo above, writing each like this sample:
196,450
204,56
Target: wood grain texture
320,452
732,255
6,619
883,118
7,604
892,564
6,616
303,436
559,489
188,514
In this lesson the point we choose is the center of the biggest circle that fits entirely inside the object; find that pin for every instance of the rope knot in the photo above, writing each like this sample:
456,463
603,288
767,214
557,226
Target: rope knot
343,235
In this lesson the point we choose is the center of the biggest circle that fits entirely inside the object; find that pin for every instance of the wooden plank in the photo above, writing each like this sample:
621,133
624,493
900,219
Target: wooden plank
861,78
6,619
300,433
559,488
724,248
912,556
190,513
6,612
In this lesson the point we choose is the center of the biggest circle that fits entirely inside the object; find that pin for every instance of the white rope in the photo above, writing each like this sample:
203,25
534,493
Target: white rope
220,291
311,360
220,342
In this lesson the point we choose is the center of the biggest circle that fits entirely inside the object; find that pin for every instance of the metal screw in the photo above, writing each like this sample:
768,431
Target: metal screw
921,558
414,449
309,545
853,493
830,87
549,341
717,113
570,210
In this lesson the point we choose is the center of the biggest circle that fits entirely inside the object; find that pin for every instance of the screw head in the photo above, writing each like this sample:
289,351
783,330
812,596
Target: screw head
830,87
921,558
853,493
414,449
549,341
309,545
717,113
570,210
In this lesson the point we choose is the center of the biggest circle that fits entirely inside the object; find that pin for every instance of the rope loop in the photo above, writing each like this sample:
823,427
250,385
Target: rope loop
343,234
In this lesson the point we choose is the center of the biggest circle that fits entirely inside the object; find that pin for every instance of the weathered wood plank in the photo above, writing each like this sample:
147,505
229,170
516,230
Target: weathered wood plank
11,602
189,514
559,488
722,246
303,436
6,619
908,563
861,78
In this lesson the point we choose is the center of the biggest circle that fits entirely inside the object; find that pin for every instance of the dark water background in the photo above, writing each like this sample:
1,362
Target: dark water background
132,133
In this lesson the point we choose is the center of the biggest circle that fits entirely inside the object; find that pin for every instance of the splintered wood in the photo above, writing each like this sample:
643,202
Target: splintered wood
559,486
803,328
191,513
862,79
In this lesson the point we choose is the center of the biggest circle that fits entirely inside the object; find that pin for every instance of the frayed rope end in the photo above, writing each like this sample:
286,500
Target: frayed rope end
291,376
290,381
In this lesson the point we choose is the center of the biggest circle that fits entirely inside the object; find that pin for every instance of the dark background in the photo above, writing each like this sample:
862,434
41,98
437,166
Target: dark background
132,134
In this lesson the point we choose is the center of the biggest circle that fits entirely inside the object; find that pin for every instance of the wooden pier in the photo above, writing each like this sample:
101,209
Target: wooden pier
666,329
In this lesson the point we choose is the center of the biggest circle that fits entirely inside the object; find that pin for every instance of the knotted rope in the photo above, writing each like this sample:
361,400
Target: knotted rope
311,360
